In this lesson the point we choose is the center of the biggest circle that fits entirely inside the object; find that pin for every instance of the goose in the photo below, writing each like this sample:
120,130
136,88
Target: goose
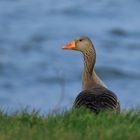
94,95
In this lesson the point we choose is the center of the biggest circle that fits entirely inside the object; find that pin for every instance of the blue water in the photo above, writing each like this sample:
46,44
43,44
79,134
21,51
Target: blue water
36,72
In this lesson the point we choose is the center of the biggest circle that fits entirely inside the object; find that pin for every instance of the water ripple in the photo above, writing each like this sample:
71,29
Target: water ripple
115,73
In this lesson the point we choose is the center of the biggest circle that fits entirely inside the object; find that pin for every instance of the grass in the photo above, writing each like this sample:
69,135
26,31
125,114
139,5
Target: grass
71,125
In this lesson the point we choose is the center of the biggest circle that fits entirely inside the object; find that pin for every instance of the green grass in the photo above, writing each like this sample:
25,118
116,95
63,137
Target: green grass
71,125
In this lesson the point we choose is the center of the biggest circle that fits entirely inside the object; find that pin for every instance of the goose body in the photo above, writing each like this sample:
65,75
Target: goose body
97,99
94,95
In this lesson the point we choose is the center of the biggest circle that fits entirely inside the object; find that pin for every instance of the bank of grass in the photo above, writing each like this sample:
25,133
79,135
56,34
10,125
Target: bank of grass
71,125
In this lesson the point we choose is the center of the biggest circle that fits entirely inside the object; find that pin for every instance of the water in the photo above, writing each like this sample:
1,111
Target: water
36,72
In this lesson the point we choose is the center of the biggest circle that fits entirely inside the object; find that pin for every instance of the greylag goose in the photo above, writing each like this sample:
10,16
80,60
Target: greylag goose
94,95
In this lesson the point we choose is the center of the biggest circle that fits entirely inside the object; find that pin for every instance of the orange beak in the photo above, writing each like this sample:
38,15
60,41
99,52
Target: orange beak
70,45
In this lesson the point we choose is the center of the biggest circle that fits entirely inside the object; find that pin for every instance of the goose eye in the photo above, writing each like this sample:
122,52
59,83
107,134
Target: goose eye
80,40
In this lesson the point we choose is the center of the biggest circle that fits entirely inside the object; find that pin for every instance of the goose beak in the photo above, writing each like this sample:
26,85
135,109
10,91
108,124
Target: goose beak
71,45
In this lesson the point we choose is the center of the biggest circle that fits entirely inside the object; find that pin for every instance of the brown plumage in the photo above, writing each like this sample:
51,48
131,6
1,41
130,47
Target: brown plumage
95,94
